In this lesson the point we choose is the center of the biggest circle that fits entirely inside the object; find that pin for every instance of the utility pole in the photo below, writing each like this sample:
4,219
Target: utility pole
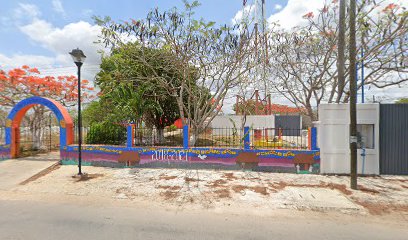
353,96
340,46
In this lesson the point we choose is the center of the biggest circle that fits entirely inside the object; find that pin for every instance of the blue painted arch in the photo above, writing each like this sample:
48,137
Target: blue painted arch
19,110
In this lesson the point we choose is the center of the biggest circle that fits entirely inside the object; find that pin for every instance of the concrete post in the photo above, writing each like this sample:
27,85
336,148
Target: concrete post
247,138
185,137
129,141
314,139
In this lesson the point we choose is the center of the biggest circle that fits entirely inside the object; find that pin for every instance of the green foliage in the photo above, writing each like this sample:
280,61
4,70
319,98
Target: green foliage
131,85
94,112
402,100
106,133
172,128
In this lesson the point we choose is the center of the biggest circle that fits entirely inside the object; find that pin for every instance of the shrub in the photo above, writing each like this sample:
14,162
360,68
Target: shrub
106,133
172,128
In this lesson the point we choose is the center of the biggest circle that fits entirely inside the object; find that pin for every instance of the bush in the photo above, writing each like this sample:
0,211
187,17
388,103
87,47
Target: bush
172,128
106,133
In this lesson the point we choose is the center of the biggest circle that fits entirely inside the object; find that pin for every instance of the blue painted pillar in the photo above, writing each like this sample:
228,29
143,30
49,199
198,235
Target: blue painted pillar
129,141
246,138
314,138
185,136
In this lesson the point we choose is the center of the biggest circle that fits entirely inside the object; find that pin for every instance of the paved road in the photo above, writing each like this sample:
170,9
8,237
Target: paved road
15,171
40,220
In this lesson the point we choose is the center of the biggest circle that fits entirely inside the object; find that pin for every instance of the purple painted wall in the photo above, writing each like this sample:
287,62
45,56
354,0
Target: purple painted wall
264,160
4,152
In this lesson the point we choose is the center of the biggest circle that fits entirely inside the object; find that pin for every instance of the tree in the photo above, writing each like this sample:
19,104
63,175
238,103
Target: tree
402,100
122,67
341,43
208,60
304,60
20,83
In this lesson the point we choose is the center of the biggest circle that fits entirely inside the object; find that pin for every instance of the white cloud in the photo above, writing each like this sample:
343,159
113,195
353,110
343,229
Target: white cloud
26,12
62,40
19,60
57,6
292,14
87,12
246,13
278,7
57,40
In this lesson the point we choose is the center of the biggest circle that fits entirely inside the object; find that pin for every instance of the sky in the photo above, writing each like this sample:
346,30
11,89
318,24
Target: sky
40,33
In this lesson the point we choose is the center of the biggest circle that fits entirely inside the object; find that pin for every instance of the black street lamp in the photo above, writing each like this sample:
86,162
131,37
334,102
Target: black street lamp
79,57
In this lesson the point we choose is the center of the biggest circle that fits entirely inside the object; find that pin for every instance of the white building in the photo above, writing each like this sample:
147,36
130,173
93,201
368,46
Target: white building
334,134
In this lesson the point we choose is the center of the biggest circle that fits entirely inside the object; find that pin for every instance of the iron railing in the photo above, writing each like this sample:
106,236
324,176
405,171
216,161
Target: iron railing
113,136
279,138
143,136
220,137
46,140
85,131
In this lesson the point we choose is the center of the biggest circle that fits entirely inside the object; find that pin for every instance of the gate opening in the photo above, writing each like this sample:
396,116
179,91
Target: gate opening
63,121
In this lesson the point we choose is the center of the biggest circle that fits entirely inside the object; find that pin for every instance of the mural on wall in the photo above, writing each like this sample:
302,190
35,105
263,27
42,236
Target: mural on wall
276,160
300,161
4,152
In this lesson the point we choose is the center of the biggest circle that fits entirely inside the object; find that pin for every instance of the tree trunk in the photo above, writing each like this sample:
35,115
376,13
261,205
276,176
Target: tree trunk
194,133
36,127
341,45
160,135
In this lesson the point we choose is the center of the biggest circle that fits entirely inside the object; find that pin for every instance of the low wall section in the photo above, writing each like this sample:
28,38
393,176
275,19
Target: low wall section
300,161
4,152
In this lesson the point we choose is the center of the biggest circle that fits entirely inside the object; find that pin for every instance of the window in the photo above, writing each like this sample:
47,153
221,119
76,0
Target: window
365,134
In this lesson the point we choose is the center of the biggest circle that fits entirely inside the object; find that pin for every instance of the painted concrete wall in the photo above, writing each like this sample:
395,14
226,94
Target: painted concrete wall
301,161
4,152
333,138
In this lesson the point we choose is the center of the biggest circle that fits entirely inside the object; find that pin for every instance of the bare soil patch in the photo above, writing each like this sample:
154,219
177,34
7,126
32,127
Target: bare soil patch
173,188
87,177
165,177
368,190
257,189
217,183
223,193
169,194
229,176
188,179
376,208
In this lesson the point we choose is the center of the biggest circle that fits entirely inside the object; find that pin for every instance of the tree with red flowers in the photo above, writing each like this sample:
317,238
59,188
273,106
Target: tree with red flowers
20,83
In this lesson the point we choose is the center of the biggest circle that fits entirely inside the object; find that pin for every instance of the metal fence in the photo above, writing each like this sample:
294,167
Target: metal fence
158,137
110,136
221,137
46,140
279,138
85,131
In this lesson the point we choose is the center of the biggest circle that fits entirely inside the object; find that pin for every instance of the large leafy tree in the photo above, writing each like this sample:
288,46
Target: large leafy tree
204,62
130,83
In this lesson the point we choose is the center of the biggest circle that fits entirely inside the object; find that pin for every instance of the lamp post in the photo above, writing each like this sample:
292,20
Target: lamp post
79,57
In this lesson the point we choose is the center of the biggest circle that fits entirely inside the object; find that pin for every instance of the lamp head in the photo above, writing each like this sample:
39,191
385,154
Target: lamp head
78,56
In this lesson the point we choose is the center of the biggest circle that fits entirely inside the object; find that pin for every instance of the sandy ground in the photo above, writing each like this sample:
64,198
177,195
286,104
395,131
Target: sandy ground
226,191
